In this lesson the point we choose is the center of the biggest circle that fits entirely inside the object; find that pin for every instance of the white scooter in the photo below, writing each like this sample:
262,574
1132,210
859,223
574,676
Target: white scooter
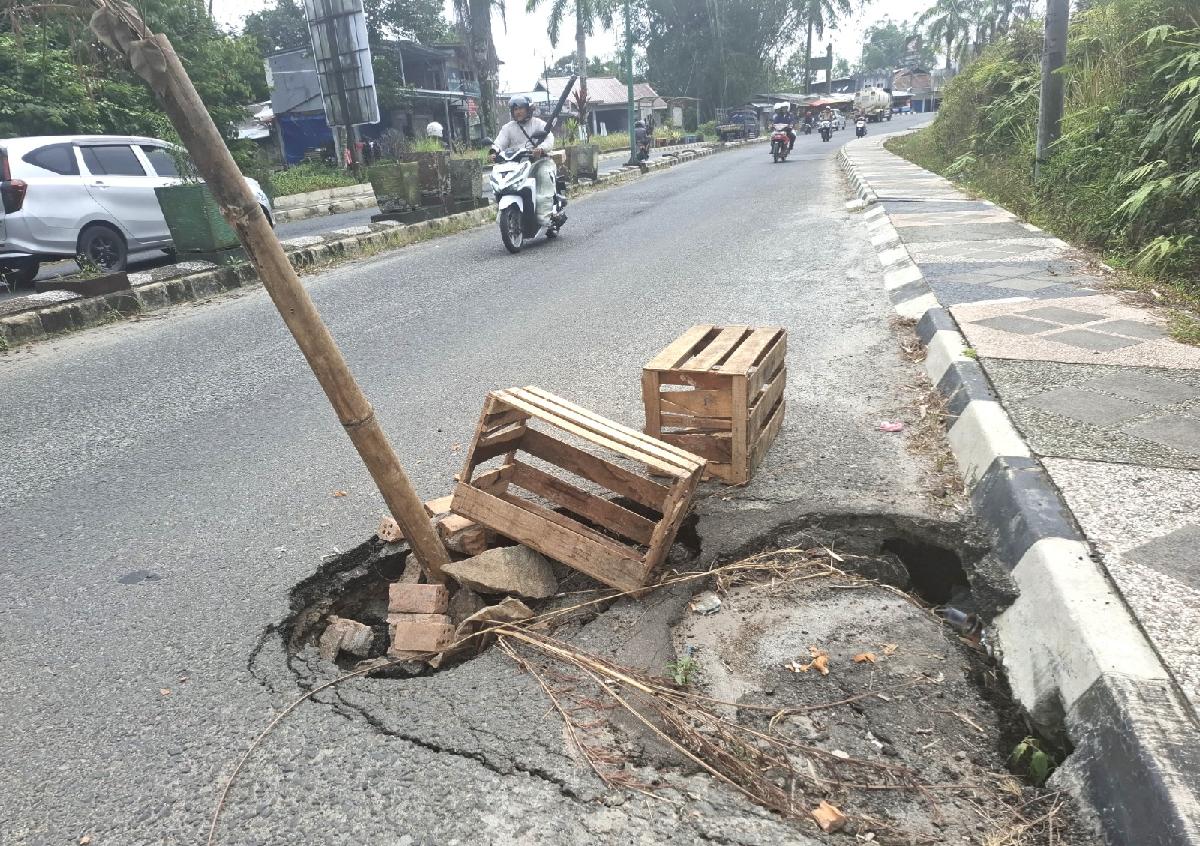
515,187
826,129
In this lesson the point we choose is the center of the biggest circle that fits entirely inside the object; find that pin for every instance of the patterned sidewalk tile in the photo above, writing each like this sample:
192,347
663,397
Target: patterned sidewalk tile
1146,416
1096,329
1145,522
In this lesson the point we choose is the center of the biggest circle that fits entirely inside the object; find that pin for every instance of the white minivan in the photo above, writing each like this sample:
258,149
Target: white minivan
89,196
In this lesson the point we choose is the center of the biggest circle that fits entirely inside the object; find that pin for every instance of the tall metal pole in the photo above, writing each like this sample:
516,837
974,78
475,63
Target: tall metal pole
1054,56
339,82
629,77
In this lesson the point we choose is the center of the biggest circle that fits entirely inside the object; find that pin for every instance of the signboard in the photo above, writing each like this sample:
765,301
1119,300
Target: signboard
472,109
824,63
343,56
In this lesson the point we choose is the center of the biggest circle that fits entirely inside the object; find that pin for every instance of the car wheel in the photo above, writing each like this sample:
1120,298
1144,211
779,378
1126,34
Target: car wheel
20,273
103,246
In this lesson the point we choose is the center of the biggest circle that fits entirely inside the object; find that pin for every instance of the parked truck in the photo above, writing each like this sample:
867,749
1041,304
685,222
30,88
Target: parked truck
875,103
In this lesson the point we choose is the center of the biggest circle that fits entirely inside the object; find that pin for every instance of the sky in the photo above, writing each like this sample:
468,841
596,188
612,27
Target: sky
523,45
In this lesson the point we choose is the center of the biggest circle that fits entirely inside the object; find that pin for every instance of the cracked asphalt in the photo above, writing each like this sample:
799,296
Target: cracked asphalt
168,481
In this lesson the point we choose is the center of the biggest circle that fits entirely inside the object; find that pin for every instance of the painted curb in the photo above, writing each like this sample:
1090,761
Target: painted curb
1075,655
78,313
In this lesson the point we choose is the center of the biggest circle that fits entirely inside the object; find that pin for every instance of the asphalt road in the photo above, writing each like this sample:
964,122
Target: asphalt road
167,481
294,229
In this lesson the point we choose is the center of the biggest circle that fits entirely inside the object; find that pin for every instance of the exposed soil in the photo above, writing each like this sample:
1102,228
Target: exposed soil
908,733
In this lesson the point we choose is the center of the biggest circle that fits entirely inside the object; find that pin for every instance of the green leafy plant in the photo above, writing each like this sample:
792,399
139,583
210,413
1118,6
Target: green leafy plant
683,670
311,176
88,269
1030,760
427,145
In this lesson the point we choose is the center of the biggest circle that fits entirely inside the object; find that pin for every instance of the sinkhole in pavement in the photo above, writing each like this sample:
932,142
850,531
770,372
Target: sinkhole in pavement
824,664
938,563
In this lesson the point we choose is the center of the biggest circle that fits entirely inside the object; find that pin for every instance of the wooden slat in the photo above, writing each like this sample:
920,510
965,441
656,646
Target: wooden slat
650,402
611,428
708,403
716,424
681,348
739,455
491,480
600,511
767,437
769,366
675,509
489,448
718,348
576,547
469,462
670,468
715,447
765,402
622,440
616,479
500,419
721,471
706,381
744,356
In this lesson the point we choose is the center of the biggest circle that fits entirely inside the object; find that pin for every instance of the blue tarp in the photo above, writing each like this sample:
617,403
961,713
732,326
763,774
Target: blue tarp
301,133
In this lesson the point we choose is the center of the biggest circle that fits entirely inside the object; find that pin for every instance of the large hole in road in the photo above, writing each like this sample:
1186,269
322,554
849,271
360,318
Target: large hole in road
927,703
941,563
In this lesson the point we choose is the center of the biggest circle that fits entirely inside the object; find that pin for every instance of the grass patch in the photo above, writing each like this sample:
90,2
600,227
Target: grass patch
310,176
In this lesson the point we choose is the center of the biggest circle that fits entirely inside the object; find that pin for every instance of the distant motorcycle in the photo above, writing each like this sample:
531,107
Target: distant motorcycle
643,151
860,128
781,143
825,127
806,127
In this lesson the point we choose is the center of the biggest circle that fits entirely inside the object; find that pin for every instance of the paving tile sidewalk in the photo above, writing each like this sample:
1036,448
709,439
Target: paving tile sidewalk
1100,393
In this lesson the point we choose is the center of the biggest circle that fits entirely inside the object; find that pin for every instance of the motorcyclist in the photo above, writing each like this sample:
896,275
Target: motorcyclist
827,114
519,132
641,137
783,116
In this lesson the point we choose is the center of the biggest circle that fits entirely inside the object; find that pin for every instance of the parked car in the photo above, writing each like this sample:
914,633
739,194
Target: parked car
85,196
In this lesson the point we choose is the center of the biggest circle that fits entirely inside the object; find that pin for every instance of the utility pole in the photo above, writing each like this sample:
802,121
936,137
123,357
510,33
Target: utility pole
152,58
1050,105
829,68
629,81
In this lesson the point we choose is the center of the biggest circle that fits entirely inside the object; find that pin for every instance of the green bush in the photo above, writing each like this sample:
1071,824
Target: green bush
310,176
1124,177
612,142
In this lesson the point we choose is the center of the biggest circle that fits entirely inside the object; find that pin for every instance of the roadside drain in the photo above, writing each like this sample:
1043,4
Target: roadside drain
823,674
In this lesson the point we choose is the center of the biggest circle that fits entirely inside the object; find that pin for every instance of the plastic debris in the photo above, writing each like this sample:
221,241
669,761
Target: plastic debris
891,426
967,625
705,603
828,817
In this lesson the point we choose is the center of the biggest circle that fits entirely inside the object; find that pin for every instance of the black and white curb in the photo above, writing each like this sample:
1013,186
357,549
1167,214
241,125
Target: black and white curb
1075,656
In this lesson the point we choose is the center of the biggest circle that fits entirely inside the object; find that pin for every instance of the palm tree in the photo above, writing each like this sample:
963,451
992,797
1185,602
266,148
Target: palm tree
587,12
948,21
819,15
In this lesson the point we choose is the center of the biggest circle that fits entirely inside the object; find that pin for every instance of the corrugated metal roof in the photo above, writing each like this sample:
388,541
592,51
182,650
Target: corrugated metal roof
602,90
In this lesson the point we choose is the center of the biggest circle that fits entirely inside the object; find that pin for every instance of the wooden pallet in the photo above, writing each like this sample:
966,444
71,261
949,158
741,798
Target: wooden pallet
724,396
615,544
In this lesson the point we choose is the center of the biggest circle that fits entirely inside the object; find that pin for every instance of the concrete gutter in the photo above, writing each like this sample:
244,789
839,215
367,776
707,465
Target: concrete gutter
1075,655
38,316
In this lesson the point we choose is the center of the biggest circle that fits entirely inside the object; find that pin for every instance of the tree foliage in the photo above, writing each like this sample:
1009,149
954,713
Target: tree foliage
56,79
885,44
1125,174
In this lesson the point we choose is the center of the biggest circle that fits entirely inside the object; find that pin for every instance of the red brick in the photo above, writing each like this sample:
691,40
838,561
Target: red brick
406,598
421,637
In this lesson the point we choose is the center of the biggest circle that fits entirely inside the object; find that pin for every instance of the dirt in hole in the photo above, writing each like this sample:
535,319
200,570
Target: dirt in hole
825,675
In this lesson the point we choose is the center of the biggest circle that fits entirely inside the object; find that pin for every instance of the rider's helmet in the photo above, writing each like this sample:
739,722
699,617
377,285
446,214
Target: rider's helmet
781,108
516,101
640,124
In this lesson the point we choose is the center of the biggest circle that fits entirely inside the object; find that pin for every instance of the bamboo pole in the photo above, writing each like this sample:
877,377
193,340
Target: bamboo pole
153,58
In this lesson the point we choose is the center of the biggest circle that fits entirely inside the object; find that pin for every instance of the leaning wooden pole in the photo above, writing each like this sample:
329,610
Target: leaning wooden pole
152,58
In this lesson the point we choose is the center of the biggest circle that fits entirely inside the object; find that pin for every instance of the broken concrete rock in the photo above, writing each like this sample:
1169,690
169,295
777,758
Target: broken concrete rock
417,599
515,570
463,604
342,635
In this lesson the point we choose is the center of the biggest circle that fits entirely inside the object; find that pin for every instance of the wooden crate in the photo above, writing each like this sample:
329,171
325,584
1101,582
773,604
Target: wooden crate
615,544
717,391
